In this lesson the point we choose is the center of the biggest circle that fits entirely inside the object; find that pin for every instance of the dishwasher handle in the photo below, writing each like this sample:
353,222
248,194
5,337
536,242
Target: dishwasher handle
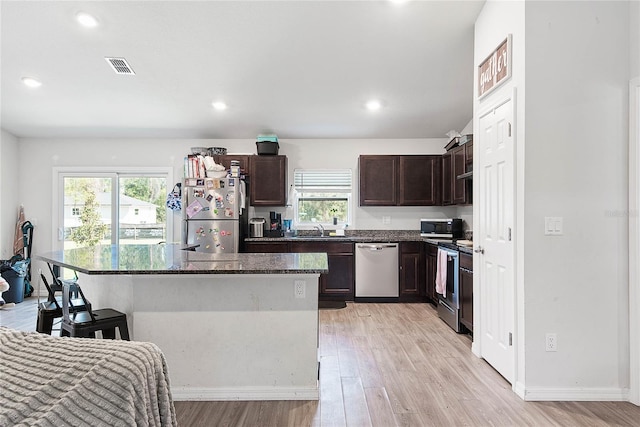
377,247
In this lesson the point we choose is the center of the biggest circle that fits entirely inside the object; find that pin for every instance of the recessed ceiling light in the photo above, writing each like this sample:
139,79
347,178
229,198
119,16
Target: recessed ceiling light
219,105
86,20
31,82
373,105
398,1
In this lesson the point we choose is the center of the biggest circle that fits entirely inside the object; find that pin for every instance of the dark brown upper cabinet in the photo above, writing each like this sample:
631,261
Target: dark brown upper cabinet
411,180
268,180
378,180
243,159
419,181
459,187
447,179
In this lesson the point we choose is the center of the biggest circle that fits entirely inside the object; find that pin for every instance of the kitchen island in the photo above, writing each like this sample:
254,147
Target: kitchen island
231,326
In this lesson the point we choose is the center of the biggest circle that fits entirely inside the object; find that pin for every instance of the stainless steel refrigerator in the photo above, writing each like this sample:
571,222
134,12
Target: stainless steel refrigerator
211,213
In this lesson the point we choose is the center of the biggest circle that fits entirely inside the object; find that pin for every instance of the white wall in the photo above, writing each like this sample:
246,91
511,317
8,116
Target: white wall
634,38
10,197
571,161
576,168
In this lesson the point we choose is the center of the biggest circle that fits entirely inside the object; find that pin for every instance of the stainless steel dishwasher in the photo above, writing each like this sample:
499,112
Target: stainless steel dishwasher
377,270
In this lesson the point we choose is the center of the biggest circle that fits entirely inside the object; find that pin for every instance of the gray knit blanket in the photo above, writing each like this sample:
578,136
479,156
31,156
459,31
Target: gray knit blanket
53,381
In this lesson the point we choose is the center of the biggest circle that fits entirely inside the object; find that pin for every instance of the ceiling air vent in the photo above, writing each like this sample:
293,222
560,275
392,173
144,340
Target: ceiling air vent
120,66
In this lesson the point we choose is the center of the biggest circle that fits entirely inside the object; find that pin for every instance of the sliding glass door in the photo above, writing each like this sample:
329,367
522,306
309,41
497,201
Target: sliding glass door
112,208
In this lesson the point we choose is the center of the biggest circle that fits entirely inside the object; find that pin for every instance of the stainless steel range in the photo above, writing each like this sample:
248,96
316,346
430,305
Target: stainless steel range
449,302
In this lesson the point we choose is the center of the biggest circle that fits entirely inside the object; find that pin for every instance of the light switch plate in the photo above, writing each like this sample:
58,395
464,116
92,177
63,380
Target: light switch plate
553,226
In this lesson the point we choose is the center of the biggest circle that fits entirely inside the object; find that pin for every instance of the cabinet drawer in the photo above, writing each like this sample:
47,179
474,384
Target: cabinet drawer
466,261
328,247
410,247
271,247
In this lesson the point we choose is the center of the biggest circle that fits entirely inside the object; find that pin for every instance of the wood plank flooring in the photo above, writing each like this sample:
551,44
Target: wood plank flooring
391,365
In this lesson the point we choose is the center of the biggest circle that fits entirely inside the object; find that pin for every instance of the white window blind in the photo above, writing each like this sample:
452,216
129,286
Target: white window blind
305,180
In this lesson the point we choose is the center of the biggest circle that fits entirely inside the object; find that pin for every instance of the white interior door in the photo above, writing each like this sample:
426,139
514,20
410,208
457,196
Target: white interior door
495,249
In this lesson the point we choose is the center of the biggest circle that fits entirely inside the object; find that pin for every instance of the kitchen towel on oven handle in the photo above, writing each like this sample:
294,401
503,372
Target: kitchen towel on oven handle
441,272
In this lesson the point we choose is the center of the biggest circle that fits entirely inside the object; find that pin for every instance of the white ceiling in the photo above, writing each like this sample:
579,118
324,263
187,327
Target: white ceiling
299,69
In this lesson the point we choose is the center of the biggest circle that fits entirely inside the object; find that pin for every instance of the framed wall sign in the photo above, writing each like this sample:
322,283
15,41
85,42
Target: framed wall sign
495,69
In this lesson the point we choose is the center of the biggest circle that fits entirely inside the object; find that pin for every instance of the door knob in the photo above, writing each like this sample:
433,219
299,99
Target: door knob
479,250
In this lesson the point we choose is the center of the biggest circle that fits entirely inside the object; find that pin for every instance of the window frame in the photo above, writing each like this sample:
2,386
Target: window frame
116,173
343,192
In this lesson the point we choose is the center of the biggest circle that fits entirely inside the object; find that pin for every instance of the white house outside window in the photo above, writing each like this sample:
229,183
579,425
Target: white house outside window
322,196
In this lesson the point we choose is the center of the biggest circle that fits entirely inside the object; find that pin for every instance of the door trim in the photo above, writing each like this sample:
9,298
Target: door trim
518,303
634,241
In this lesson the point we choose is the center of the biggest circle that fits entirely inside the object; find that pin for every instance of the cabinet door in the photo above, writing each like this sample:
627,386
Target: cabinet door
378,180
339,281
419,178
411,270
459,185
269,247
431,270
268,180
409,274
468,154
226,161
447,184
466,298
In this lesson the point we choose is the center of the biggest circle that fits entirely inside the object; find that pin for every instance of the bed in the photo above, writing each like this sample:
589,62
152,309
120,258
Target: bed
53,381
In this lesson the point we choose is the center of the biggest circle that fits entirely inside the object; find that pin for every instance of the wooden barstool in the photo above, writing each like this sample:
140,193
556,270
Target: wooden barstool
86,323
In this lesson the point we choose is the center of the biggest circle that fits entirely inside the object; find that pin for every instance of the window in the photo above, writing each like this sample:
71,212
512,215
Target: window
322,196
112,207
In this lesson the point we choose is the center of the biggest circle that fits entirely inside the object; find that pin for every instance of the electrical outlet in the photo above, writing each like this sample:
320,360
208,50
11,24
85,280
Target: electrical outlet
551,342
299,290
386,220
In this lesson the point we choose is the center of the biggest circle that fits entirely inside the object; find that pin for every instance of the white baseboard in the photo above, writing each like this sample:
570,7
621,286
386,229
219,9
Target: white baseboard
576,394
520,390
244,393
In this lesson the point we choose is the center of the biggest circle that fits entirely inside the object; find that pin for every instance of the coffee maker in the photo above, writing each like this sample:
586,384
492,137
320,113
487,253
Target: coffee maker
275,225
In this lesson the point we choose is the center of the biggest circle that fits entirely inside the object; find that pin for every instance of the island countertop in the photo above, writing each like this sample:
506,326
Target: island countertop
173,259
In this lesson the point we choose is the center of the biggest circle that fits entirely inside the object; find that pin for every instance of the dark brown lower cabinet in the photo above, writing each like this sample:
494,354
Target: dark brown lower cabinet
411,271
431,255
466,290
336,285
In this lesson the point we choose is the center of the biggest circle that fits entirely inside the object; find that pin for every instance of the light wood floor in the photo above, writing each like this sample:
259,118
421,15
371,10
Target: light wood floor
391,365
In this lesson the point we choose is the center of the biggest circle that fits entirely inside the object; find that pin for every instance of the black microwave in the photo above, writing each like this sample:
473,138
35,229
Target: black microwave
449,228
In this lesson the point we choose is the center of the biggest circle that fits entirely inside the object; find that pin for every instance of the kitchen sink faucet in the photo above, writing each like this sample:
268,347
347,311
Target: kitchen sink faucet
320,229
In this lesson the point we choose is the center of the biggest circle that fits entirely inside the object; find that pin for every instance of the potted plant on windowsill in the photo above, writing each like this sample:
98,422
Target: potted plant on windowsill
333,212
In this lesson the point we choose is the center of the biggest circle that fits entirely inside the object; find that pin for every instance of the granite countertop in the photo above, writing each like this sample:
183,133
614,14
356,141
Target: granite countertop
350,236
173,259
363,236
